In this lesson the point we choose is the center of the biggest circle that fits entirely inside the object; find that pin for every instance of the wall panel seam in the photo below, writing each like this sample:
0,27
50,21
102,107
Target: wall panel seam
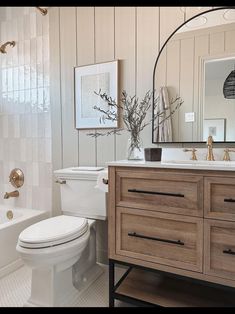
95,62
76,60
61,120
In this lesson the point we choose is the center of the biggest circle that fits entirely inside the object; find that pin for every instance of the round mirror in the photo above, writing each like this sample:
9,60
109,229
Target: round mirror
196,65
16,177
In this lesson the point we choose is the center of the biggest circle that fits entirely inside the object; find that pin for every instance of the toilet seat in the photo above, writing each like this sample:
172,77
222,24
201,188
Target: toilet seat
53,231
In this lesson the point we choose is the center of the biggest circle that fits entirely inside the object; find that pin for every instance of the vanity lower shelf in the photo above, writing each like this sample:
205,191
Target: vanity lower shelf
149,288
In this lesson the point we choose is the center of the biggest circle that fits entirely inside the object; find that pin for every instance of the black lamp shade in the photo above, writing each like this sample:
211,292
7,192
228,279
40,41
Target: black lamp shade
229,86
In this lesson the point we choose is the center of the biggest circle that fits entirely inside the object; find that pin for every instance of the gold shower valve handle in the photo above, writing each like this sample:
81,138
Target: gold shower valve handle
16,177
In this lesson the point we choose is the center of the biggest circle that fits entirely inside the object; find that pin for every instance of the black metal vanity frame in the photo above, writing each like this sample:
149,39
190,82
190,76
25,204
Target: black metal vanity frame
113,295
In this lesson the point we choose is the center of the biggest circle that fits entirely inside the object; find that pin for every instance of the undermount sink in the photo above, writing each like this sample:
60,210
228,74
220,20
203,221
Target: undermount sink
215,163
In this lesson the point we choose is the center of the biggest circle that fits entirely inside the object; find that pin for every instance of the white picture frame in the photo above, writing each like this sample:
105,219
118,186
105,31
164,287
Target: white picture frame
215,128
89,79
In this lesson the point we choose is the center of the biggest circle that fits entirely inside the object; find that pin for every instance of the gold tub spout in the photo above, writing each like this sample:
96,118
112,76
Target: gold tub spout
11,194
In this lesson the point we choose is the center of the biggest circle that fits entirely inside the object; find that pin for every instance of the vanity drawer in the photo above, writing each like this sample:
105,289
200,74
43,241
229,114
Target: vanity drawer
219,198
160,191
219,243
159,237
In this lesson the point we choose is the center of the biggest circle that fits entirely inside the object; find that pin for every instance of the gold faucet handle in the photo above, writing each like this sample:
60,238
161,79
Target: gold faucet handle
193,150
226,153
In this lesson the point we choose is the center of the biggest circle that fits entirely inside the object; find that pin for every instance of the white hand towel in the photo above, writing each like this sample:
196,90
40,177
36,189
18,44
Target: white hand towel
102,181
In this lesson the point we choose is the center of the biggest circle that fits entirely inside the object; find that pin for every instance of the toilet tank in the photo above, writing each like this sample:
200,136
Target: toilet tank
79,196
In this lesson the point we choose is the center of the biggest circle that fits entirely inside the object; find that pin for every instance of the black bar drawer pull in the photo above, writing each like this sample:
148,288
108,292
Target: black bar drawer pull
230,200
134,234
229,251
153,192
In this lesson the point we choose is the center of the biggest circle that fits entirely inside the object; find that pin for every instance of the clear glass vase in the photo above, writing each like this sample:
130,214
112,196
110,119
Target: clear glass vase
135,149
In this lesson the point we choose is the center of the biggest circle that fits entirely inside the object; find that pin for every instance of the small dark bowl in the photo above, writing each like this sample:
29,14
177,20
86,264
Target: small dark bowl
153,154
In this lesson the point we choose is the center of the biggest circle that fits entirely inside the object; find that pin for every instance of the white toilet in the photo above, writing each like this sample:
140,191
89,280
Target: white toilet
62,250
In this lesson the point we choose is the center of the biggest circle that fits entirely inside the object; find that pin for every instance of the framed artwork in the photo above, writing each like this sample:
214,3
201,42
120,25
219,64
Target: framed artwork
88,80
215,128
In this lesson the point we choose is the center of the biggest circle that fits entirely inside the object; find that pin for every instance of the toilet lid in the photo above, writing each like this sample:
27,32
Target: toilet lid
53,231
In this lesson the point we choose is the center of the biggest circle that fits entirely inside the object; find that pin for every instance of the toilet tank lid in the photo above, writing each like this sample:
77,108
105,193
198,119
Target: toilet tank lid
86,173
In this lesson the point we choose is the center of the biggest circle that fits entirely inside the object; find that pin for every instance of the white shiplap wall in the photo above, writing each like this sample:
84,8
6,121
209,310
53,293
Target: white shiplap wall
86,35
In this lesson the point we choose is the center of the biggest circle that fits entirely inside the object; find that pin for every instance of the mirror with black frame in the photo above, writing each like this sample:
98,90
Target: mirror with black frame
197,66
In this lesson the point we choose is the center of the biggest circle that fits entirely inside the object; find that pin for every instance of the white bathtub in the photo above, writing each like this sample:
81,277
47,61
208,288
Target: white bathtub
9,232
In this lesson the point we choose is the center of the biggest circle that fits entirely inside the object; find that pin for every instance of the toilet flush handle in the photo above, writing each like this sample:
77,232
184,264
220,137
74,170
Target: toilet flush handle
105,181
60,181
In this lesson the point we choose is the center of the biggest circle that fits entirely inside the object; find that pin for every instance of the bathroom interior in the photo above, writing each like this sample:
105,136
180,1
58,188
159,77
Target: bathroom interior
117,156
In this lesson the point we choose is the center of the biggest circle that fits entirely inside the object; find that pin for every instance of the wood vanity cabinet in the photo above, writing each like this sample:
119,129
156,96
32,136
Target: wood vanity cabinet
178,221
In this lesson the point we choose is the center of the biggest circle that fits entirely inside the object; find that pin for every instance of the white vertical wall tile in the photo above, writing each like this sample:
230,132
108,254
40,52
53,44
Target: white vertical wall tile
39,49
5,126
33,50
25,128
26,51
20,46
39,21
4,80
39,75
16,126
15,78
20,27
9,79
32,18
27,76
21,77
26,26
23,149
3,31
35,178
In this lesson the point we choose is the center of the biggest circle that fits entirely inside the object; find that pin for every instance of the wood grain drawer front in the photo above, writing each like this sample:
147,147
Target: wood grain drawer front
173,193
159,237
219,243
219,198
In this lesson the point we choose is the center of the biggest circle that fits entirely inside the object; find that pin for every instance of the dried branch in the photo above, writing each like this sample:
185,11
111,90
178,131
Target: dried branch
134,112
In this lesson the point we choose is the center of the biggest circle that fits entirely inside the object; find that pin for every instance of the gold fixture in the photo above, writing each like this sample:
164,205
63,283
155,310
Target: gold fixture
193,150
16,177
226,154
3,47
43,11
9,214
60,181
210,155
11,194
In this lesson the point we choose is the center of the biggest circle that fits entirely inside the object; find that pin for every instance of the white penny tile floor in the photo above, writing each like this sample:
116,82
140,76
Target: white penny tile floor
15,290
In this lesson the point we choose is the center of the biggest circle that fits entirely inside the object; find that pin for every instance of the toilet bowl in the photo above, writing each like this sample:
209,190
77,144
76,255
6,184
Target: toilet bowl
62,250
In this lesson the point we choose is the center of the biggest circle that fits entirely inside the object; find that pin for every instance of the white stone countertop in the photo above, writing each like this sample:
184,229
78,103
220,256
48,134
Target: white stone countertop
194,165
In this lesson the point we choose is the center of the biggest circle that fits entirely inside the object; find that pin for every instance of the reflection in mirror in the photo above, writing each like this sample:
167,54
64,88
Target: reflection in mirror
218,111
195,64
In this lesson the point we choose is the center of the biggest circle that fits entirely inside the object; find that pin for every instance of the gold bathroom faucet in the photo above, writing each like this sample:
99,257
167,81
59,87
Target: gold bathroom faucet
210,155
11,194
